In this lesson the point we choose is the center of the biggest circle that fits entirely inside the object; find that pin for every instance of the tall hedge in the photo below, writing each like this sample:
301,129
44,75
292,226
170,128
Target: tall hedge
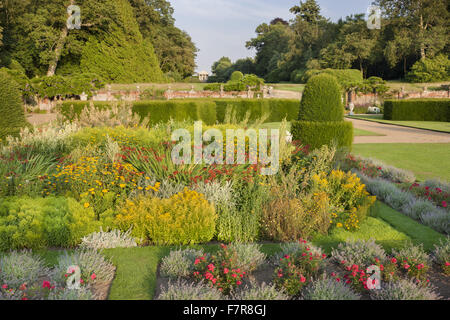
321,116
12,116
321,100
122,56
417,110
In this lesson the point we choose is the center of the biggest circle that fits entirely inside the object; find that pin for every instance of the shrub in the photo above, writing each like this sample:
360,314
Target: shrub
17,268
417,110
220,270
44,222
404,290
81,294
316,134
183,290
442,255
413,261
290,219
185,218
236,76
179,263
329,289
297,270
360,252
93,266
321,100
248,256
349,200
13,117
262,292
430,70
108,240
321,115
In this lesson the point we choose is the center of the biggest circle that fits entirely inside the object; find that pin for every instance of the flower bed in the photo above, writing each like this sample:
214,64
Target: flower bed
302,271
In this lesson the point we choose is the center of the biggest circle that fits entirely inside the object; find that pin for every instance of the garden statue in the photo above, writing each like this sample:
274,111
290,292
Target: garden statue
83,96
351,106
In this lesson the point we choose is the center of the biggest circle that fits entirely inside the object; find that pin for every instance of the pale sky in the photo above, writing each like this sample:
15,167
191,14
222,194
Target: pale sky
222,27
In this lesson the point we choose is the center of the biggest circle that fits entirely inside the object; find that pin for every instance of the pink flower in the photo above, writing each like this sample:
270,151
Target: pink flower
302,279
333,274
46,284
5,286
239,283
226,270
197,261
393,260
234,275
407,266
287,256
444,204
93,276
211,267
447,264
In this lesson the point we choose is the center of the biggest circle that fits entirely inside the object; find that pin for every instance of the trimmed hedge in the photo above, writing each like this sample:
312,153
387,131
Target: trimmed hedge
417,110
12,113
316,134
209,111
322,100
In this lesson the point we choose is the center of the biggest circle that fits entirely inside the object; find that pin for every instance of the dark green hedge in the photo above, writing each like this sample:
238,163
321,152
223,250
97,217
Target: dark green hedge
417,110
179,110
208,110
316,134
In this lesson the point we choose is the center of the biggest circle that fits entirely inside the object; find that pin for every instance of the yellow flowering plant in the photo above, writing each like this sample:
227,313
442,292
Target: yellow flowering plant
95,183
185,218
349,199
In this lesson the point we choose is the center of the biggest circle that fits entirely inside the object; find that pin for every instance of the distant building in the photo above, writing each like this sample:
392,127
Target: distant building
203,76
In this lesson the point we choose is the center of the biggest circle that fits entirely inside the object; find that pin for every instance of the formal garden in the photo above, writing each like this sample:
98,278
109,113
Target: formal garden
316,170
93,207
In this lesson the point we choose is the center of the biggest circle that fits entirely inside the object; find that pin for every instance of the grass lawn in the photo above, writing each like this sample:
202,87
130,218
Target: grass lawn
288,86
429,125
357,132
427,161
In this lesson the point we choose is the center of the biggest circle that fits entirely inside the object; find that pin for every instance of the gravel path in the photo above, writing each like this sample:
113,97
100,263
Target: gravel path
397,134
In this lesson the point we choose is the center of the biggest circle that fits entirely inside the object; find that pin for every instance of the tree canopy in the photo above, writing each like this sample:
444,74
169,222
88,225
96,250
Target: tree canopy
120,40
411,30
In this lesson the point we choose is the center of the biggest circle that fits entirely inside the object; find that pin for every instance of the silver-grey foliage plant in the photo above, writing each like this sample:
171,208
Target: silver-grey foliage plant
184,291
108,240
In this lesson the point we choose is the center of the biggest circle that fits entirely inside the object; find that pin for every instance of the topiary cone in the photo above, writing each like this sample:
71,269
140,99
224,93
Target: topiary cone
322,100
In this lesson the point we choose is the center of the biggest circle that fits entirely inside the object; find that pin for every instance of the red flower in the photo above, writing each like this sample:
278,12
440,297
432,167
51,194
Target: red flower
46,284
226,270
444,204
393,260
5,286
407,266
234,275
238,283
447,264
93,276
420,266
302,279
